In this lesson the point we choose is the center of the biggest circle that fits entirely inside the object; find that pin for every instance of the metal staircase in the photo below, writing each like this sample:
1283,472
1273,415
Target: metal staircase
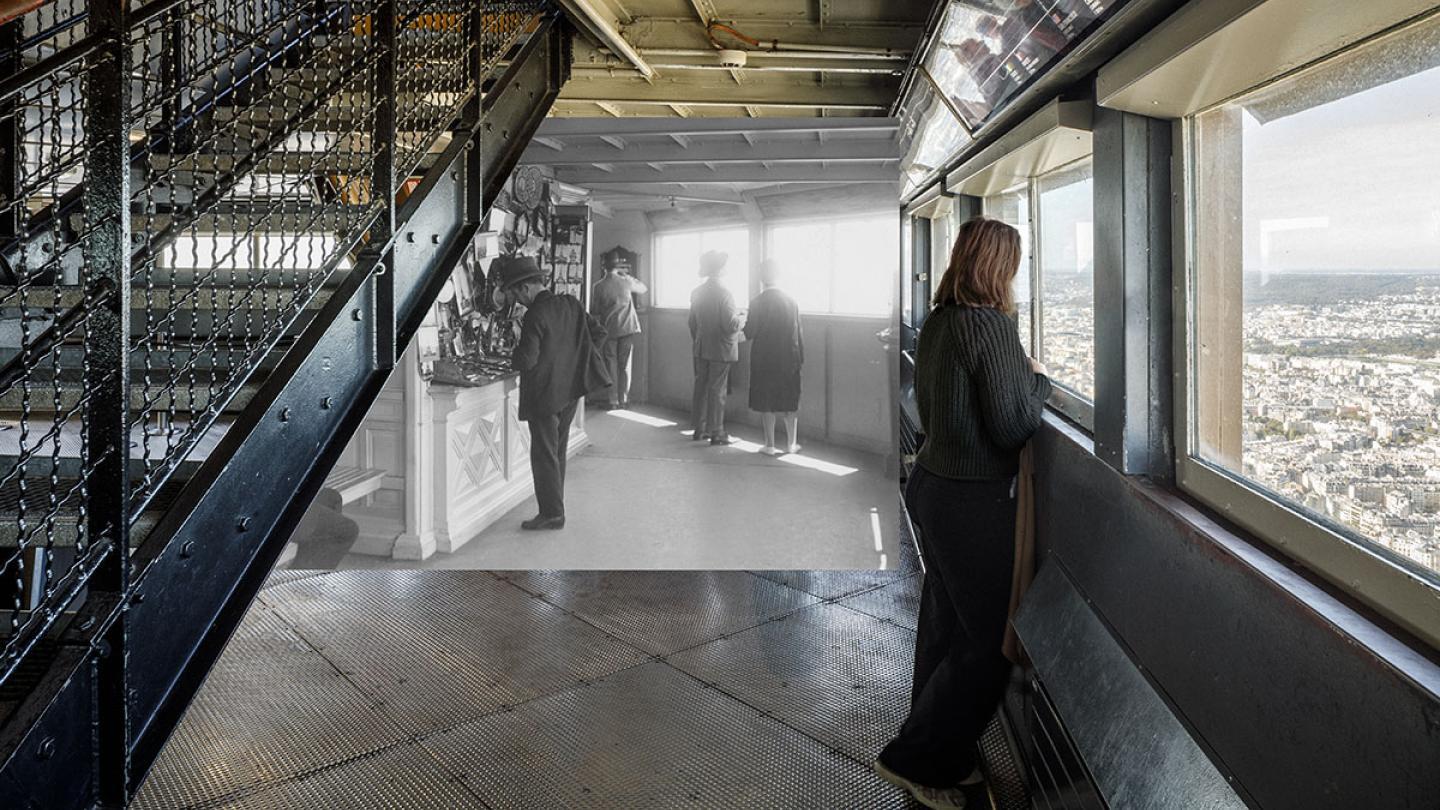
220,223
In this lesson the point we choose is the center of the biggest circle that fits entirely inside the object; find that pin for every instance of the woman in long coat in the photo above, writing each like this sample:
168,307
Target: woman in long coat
777,350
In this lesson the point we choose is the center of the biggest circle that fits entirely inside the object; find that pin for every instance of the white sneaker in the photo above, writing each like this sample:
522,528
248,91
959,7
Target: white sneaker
937,798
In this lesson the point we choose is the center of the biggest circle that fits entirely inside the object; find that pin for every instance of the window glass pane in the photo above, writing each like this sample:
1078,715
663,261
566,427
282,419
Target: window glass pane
677,263
803,251
843,267
736,243
865,253
907,272
1013,208
677,268
985,52
1067,278
1317,292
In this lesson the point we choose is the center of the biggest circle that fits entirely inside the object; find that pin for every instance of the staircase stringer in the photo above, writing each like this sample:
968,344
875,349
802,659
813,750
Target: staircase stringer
198,571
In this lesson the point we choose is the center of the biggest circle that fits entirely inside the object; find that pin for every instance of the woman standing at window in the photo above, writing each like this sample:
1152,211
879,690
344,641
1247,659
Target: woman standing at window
777,350
980,399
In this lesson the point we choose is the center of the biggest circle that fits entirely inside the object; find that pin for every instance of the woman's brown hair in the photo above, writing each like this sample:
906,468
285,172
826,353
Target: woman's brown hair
982,267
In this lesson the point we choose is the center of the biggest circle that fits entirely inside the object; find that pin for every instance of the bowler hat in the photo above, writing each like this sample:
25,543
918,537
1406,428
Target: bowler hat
515,269
712,262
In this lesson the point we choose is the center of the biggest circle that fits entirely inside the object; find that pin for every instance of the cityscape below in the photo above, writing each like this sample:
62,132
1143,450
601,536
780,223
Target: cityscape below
1341,394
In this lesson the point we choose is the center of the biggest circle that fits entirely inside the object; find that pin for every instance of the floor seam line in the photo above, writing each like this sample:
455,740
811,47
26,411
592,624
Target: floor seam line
766,714
260,787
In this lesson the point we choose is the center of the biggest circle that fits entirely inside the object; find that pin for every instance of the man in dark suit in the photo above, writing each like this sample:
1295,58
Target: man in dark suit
715,330
557,344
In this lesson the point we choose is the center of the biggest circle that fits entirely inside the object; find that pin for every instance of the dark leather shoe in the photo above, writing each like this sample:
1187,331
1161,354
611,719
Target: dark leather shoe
725,439
542,522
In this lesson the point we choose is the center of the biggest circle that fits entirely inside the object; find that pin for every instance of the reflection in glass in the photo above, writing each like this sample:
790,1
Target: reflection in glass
1013,208
933,134
986,50
1317,292
1067,277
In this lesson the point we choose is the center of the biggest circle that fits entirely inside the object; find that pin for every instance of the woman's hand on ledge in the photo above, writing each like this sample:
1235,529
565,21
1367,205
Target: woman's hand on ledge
1037,366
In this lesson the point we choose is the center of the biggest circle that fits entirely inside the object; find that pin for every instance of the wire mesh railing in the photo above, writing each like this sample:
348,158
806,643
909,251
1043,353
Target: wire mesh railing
251,139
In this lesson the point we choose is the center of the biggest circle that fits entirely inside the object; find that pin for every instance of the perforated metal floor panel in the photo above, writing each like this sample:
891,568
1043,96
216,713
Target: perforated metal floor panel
581,690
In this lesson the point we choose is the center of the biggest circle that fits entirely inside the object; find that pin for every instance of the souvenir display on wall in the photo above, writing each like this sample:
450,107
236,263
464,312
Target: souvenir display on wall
470,335
474,326
570,248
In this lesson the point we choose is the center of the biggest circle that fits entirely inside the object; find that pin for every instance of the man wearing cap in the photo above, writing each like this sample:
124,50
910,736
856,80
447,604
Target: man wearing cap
612,301
715,329
557,344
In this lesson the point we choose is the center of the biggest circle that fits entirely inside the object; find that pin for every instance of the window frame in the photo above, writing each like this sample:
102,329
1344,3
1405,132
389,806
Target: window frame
1396,587
1069,403
658,285
768,249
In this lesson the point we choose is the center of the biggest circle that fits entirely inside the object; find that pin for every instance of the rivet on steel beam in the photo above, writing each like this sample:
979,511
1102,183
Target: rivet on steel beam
354,314
46,748
243,524
327,403
409,236
284,414
187,548
434,238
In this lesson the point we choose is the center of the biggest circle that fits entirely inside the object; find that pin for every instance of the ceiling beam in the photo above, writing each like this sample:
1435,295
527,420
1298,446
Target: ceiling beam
682,32
705,10
680,110
793,94
609,108
616,141
733,173
562,128
712,151
603,23
662,191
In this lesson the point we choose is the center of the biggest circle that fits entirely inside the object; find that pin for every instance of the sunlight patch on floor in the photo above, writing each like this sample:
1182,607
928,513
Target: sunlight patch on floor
817,465
643,419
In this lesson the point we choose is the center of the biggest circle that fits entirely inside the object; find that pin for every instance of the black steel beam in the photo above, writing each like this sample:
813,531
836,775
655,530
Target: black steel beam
197,572
1133,291
106,252
520,99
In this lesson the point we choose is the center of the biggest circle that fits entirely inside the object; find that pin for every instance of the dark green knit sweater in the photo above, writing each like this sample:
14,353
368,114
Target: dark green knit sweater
979,400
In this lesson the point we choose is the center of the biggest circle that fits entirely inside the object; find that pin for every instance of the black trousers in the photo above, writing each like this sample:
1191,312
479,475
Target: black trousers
967,532
549,440
707,404
617,353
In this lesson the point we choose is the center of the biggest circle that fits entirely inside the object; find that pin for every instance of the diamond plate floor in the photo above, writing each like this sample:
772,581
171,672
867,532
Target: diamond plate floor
539,690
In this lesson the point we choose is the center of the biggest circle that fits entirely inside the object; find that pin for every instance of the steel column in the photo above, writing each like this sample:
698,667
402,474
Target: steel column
382,183
106,252
1132,294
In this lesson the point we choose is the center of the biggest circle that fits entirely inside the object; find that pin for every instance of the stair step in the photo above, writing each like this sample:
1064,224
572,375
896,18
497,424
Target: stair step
39,300
61,529
44,389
